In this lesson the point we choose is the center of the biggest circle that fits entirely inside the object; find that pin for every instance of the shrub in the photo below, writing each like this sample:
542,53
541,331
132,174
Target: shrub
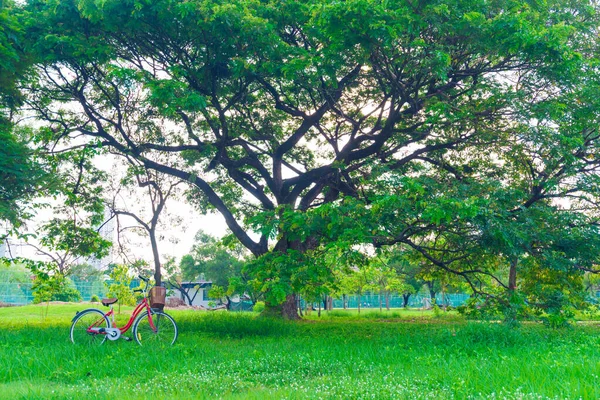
67,293
119,287
55,287
259,306
95,299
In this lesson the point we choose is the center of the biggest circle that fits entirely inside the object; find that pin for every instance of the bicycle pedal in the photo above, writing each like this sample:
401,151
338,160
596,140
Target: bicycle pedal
127,339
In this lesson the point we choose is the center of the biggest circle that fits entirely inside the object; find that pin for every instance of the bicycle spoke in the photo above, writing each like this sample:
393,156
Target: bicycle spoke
86,327
163,331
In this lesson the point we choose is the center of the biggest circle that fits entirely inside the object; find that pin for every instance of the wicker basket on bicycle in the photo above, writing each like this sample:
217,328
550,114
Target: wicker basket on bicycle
158,295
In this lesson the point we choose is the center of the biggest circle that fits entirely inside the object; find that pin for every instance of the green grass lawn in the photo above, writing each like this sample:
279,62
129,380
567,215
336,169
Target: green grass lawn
395,355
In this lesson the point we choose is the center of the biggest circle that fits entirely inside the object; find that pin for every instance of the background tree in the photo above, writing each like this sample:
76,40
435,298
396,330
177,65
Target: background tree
212,260
157,190
50,284
408,269
24,174
384,280
119,285
357,281
72,234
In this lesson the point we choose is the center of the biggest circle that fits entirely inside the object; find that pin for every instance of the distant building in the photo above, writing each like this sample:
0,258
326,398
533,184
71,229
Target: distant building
11,248
197,292
108,232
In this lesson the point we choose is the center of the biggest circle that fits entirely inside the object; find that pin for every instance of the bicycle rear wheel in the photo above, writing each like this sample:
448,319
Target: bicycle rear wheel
86,327
164,331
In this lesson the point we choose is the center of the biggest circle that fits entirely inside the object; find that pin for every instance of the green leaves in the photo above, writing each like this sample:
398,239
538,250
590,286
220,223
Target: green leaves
23,177
170,97
455,128
63,235
119,285
50,284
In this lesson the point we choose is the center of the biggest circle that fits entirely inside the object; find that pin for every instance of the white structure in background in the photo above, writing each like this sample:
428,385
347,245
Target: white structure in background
197,291
108,232
11,248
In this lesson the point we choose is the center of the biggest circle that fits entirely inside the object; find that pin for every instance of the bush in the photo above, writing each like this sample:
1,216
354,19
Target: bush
119,286
68,293
592,312
558,311
559,319
95,299
259,306
54,287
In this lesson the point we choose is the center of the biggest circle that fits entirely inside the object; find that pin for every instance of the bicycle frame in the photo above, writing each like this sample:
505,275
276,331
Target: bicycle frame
139,308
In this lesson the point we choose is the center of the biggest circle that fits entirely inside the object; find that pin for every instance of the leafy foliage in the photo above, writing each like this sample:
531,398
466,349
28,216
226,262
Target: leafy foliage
51,285
223,265
119,285
464,130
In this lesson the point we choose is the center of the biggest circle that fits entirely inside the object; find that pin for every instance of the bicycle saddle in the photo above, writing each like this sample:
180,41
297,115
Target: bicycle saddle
107,302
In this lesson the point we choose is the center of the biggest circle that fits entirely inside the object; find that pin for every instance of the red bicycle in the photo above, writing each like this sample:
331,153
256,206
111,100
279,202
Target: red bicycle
150,325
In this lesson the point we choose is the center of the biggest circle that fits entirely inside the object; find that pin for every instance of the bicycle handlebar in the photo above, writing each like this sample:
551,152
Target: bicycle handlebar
144,279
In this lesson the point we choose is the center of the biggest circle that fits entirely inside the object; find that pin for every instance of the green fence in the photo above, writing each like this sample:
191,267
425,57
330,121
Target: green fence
372,300
20,293
15,293
241,306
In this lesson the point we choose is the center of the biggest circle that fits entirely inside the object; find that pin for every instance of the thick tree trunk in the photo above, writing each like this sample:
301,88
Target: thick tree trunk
288,309
511,312
387,301
344,301
512,276
405,298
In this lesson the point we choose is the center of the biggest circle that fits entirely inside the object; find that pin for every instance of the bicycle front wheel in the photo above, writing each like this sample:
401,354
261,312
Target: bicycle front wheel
88,327
163,329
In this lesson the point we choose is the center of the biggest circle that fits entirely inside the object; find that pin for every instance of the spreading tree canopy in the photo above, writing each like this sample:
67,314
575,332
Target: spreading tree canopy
274,109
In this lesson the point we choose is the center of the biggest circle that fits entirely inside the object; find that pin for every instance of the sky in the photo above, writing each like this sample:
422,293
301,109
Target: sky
178,238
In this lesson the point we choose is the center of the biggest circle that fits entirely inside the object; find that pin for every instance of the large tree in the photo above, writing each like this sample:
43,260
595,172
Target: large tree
274,107
22,174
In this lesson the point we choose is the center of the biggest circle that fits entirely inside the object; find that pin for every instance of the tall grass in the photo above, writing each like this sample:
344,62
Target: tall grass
242,356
